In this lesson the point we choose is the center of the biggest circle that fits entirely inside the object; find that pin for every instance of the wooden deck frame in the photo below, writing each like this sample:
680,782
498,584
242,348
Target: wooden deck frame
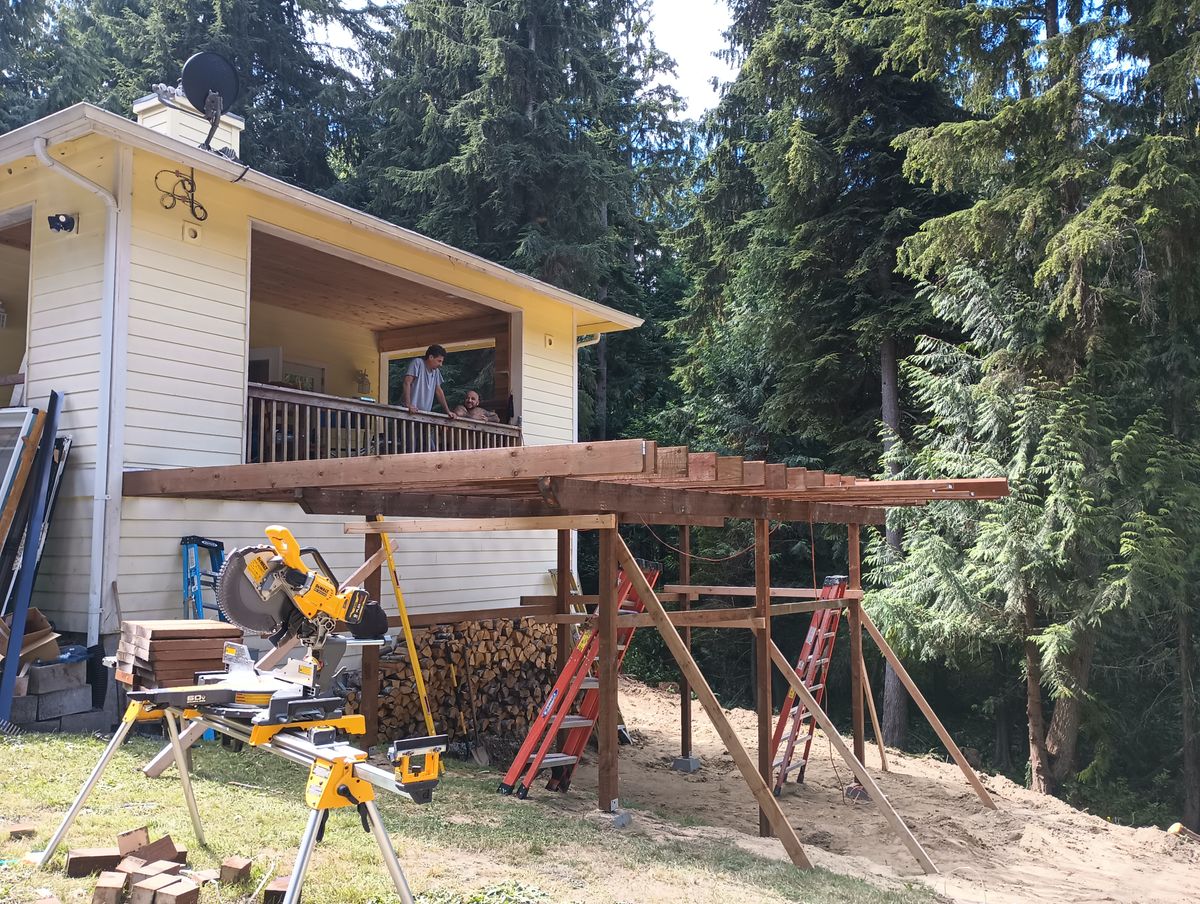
635,481
631,478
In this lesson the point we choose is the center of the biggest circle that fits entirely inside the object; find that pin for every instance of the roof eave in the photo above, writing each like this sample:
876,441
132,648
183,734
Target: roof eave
80,119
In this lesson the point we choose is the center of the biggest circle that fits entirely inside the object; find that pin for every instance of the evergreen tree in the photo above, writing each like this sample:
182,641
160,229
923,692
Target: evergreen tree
533,133
297,98
1080,307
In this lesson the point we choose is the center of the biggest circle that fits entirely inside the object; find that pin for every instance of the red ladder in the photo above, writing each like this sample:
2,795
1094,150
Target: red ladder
812,668
555,715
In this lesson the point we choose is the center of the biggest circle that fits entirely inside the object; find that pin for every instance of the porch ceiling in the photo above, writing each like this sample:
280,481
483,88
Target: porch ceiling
17,236
294,276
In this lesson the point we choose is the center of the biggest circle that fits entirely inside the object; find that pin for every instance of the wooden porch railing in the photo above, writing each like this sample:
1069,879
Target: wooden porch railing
291,425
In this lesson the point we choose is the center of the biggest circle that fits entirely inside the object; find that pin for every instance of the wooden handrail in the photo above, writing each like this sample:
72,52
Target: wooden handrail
286,424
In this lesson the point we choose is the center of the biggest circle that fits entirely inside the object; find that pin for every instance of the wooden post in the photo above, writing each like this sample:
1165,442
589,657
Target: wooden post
883,763
373,584
762,656
741,757
562,632
562,591
856,657
874,792
685,690
934,722
606,670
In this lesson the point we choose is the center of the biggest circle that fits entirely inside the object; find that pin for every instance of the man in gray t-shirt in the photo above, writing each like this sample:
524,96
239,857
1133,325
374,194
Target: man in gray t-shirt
423,382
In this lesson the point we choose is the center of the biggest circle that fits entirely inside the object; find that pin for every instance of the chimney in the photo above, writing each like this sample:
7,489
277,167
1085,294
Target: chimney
192,128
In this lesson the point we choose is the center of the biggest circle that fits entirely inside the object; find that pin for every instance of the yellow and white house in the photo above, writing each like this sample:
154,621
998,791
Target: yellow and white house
202,313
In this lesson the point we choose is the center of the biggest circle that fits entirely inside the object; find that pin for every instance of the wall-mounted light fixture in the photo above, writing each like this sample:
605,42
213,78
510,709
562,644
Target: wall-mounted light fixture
64,222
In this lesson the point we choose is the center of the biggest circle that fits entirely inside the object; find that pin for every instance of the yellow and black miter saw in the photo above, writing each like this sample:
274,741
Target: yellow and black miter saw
286,706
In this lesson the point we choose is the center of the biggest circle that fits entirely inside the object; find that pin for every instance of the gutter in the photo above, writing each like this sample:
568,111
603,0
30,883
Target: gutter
98,573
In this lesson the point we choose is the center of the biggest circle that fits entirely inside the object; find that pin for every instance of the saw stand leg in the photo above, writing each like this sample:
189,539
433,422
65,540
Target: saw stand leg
118,737
185,778
313,832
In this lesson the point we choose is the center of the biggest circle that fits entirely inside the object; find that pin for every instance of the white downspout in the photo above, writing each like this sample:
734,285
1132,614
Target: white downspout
108,304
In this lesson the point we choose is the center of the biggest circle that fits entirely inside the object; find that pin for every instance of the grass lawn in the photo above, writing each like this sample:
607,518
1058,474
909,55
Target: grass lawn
469,845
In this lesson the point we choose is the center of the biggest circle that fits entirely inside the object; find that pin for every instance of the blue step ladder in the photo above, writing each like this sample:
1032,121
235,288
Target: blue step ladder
195,578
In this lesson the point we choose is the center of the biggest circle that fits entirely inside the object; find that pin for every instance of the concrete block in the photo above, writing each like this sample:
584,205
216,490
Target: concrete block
58,676
63,703
24,710
688,764
88,722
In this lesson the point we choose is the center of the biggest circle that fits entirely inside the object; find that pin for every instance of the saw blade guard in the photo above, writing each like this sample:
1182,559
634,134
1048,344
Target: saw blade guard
261,606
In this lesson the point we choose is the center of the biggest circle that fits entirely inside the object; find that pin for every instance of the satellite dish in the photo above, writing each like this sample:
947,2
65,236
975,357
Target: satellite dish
210,83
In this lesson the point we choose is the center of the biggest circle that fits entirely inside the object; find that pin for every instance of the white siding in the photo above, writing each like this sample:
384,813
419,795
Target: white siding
186,394
63,341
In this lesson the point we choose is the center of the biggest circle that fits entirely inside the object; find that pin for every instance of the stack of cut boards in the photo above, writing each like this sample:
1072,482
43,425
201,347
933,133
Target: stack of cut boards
170,653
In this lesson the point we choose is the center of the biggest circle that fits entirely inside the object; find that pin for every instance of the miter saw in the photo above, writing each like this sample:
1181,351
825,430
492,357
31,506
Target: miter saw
288,711
270,589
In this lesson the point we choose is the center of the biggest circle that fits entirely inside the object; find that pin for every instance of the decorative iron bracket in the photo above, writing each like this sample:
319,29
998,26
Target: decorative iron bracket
182,188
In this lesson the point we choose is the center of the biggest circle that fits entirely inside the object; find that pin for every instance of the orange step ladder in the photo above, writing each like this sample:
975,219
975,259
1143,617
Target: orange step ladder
796,722
578,682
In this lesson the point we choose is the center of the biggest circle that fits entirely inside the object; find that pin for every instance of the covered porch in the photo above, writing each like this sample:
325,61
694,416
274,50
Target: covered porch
330,336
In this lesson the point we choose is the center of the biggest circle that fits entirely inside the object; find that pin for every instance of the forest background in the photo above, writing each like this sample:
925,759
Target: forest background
913,238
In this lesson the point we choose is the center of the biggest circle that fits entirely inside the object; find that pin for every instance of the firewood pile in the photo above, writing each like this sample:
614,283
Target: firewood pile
505,665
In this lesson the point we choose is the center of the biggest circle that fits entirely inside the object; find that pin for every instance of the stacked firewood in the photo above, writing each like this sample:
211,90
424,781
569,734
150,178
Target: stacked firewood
505,666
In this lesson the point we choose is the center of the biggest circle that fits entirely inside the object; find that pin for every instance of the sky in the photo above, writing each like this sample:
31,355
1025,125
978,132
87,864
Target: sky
691,31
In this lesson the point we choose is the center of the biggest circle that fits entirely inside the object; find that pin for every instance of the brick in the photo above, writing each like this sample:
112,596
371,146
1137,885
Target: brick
156,868
133,840
58,676
180,856
204,876
130,865
182,892
276,889
21,830
64,703
234,870
110,888
85,861
160,849
145,891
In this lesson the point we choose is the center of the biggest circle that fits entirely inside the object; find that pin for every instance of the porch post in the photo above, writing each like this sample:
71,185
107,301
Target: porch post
762,655
606,670
856,654
373,584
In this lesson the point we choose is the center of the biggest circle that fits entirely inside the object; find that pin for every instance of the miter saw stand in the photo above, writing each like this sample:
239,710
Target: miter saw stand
283,711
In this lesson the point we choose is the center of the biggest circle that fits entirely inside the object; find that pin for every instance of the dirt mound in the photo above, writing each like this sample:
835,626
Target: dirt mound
1033,848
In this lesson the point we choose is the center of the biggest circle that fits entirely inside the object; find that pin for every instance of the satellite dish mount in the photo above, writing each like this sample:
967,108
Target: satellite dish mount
210,84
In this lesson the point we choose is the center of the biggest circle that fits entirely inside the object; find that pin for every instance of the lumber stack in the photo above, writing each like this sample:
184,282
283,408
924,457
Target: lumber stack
169,653
508,663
